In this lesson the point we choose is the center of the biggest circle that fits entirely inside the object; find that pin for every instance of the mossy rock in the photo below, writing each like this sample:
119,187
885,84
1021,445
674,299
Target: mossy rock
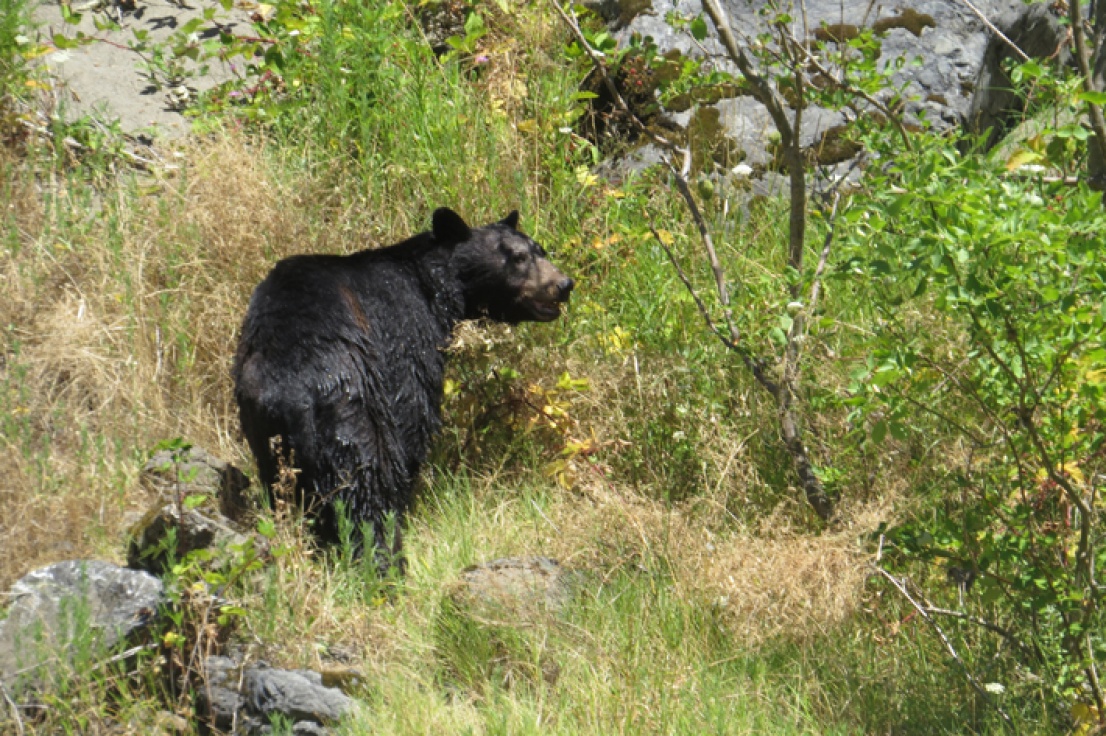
834,146
907,18
710,146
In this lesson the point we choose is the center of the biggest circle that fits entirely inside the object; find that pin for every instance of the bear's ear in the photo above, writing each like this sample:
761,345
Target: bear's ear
449,227
511,220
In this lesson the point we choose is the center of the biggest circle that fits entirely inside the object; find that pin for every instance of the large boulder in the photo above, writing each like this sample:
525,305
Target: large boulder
191,470
165,534
70,614
1037,32
947,37
513,589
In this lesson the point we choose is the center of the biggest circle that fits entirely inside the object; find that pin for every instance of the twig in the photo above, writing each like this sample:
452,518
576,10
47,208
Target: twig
816,285
923,611
123,655
754,365
708,243
984,623
699,303
994,29
1092,672
15,709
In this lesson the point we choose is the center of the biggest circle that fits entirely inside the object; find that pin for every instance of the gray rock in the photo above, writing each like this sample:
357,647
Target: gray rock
618,170
246,698
298,695
200,529
493,623
78,608
107,80
219,697
513,589
193,470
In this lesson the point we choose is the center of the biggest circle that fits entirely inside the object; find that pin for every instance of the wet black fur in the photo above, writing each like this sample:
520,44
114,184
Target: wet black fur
341,358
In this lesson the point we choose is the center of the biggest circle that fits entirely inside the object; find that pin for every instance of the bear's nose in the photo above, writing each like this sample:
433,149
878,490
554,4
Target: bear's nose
564,288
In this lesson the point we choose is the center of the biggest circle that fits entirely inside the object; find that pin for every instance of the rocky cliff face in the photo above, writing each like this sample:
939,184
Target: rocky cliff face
935,51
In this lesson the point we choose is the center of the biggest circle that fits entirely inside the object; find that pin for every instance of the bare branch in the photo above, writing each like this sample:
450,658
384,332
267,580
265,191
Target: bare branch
924,612
782,391
699,303
994,29
1092,673
1098,123
754,365
1004,633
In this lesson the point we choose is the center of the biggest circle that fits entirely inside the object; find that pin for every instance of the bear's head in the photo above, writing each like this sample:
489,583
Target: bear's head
505,275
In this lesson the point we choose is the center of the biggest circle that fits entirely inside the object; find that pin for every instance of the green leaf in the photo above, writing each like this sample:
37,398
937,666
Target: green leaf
194,501
699,28
266,528
474,26
69,16
64,42
191,26
1095,98
1078,132
879,431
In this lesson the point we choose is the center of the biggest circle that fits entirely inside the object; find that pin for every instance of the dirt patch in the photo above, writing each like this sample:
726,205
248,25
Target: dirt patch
105,77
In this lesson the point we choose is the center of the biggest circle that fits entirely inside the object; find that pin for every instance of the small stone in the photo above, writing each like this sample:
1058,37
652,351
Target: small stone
252,695
298,695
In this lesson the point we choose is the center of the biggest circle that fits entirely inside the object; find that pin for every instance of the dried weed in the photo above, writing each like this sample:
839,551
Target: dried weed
120,333
764,582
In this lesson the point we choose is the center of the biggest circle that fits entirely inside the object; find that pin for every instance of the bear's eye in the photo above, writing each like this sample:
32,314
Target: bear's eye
519,257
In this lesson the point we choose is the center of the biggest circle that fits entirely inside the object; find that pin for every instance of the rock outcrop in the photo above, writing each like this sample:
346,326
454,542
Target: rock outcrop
951,73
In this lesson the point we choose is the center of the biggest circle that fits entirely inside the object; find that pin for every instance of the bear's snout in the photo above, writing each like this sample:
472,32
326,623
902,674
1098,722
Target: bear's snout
564,288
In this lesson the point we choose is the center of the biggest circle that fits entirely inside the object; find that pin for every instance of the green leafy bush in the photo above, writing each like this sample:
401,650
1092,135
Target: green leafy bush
1009,377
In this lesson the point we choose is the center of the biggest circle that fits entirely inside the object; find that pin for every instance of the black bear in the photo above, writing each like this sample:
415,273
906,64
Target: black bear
339,367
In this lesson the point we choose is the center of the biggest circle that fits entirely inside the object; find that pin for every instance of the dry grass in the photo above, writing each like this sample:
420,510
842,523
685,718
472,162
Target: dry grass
120,330
765,582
